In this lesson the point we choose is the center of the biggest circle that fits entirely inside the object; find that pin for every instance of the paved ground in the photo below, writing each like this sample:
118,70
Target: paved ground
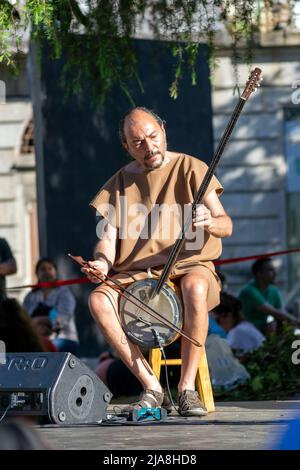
239,425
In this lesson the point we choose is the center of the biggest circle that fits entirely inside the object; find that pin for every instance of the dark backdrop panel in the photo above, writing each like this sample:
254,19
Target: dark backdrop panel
81,150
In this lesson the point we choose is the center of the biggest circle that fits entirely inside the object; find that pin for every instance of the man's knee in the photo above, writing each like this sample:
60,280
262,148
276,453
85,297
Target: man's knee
100,301
195,286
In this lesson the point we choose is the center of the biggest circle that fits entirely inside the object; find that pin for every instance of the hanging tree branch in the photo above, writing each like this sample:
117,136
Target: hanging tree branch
96,36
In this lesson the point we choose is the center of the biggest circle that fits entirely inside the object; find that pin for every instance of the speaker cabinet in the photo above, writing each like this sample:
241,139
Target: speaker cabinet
56,386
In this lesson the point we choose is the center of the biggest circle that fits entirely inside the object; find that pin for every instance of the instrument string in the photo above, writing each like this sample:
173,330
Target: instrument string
198,198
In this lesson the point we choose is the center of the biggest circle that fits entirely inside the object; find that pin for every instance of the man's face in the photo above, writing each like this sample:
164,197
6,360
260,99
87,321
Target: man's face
268,273
46,272
145,139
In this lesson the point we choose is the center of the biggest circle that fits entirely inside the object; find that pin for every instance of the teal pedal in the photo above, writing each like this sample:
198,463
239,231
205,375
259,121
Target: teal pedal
147,414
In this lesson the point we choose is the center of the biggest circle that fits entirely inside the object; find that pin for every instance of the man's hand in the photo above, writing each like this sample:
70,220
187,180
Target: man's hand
98,267
202,217
212,217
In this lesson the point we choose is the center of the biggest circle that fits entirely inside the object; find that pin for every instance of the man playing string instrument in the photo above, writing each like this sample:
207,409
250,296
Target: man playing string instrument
137,236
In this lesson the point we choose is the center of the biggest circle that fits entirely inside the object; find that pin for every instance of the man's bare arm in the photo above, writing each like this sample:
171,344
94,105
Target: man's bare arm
212,217
8,267
104,254
105,248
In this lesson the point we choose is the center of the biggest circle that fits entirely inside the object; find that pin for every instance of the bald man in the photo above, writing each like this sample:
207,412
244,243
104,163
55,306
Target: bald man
132,242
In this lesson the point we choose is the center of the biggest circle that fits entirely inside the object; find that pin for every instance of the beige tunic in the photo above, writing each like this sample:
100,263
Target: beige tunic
148,210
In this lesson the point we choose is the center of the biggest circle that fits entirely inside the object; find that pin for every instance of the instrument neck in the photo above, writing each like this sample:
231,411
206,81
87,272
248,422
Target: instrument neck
199,197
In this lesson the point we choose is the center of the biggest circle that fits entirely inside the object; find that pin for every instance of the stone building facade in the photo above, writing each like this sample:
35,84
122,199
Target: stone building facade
260,169
18,221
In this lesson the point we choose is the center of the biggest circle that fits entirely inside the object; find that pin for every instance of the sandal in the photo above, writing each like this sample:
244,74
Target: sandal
147,399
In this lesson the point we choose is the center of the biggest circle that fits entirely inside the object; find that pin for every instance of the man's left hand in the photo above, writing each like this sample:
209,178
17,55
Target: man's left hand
202,217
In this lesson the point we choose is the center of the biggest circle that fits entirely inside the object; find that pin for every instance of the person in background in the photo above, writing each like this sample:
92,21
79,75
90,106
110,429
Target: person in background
213,327
261,298
223,279
8,265
242,336
57,304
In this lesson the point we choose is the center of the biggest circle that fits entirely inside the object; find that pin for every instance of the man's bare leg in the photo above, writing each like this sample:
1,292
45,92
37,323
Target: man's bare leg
103,306
194,288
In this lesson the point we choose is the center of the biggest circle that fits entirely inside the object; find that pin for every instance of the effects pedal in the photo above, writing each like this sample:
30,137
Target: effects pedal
147,414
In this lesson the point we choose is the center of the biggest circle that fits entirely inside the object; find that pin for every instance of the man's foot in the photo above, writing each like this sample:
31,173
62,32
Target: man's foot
147,399
190,405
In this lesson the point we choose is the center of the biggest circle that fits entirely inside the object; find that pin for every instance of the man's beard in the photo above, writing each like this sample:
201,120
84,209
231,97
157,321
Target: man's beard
151,165
157,162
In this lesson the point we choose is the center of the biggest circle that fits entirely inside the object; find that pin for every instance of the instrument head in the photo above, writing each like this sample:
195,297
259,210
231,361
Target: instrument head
252,84
139,325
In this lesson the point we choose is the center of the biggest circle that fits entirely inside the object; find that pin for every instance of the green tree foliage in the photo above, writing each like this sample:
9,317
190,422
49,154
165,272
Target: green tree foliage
96,36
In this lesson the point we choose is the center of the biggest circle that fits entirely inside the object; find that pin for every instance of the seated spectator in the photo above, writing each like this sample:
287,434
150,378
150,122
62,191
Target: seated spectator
214,328
17,329
241,335
261,298
223,280
55,303
8,265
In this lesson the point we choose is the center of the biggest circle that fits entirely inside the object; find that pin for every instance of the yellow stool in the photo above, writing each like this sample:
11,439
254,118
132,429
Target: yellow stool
203,383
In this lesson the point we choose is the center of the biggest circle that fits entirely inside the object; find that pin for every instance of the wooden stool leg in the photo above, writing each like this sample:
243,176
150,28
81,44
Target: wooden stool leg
155,361
203,384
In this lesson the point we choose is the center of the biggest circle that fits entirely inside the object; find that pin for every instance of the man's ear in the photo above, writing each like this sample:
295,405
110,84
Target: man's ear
124,143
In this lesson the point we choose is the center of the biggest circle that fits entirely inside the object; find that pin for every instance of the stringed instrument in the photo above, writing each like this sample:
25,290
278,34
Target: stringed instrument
151,310
160,294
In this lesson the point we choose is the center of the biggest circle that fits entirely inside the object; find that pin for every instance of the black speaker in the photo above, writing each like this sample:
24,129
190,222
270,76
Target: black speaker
56,386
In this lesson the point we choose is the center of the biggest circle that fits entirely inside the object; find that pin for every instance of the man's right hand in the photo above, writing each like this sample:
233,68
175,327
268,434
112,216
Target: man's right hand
98,267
